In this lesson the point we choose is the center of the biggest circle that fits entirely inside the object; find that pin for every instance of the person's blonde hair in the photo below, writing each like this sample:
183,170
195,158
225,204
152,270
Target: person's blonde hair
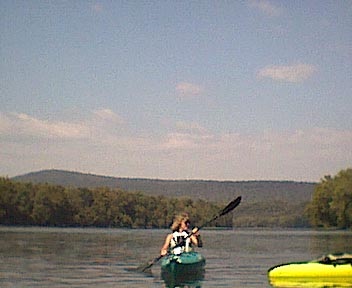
182,217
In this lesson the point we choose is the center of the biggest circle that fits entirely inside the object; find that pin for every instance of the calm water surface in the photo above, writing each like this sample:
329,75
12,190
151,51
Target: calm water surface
60,257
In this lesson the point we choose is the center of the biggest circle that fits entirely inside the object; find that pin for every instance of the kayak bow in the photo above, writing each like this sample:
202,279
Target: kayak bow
186,268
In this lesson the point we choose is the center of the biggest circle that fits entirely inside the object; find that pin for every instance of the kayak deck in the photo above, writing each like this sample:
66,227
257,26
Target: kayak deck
311,269
186,259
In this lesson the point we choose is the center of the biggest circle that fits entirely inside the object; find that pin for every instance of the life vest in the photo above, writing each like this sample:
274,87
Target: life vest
178,238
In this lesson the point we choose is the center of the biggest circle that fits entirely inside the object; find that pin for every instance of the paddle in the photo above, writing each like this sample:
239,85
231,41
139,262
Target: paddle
229,207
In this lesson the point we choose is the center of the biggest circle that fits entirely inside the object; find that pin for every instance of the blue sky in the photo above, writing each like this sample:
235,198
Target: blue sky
221,90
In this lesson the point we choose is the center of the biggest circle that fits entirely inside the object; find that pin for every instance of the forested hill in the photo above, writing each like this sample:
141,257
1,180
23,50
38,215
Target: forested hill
218,191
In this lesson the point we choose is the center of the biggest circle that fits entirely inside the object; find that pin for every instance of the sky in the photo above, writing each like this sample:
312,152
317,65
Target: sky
213,90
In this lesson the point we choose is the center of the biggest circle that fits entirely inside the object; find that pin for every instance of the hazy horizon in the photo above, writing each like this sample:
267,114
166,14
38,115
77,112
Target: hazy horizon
157,179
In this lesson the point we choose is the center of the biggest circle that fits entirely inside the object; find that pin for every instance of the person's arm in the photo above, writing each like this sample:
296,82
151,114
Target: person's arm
165,247
195,237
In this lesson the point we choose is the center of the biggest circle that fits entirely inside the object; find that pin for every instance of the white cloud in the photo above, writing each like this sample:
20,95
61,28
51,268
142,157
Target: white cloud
188,135
187,89
5,124
303,146
108,115
188,151
293,73
300,155
190,126
266,7
179,141
22,124
185,141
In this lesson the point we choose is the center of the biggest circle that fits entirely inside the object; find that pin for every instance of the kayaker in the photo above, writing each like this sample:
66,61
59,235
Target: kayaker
180,232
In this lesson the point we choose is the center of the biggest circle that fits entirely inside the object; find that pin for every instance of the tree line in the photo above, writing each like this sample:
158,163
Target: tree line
55,205
273,213
331,206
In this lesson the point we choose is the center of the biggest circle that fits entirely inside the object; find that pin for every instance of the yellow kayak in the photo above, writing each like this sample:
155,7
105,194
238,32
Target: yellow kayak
329,271
332,265
310,282
311,269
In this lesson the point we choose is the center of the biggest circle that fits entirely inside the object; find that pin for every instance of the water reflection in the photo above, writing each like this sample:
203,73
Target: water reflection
331,242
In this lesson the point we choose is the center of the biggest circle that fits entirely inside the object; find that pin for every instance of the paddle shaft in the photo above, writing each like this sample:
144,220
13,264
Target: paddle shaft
229,207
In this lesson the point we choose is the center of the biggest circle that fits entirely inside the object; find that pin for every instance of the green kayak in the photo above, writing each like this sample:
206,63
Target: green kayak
185,268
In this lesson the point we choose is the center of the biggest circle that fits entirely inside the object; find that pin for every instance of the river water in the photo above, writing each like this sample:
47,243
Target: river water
74,257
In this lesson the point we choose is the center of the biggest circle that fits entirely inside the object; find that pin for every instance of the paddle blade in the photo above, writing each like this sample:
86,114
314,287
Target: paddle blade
146,267
232,205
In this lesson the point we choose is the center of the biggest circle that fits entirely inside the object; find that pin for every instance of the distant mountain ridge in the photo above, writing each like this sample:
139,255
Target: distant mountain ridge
218,191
